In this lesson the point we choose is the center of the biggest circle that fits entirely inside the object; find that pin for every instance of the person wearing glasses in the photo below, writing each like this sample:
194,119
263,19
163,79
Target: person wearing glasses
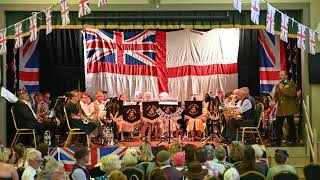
34,159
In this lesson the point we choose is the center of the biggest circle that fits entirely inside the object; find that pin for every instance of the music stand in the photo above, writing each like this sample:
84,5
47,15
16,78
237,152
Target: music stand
172,105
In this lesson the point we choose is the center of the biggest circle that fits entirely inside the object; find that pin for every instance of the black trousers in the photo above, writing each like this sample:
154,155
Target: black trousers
278,128
232,125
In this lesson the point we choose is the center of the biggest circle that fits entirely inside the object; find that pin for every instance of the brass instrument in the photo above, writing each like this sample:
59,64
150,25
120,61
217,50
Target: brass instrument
42,111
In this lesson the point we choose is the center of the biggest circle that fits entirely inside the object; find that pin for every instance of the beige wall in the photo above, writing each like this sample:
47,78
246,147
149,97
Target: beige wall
311,16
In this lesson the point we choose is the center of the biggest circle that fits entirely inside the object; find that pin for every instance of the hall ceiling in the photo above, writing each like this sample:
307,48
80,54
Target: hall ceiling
146,1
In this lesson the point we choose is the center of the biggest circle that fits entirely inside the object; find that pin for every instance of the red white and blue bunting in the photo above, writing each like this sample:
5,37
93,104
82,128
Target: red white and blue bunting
270,19
237,5
64,12
33,28
84,8
301,37
312,42
255,11
18,35
102,2
48,21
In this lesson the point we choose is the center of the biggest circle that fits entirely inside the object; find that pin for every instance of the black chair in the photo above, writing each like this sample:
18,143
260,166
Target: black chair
287,175
133,173
312,171
252,175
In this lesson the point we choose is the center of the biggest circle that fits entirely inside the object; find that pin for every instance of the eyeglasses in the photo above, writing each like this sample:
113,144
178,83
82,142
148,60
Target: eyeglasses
38,160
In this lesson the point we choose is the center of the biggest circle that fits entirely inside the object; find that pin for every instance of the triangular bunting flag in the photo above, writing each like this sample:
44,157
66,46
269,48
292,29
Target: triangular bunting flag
237,5
18,35
84,8
312,41
270,19
48,21
284,27
301,37
102,2
3,42
255,11
33,28
64,12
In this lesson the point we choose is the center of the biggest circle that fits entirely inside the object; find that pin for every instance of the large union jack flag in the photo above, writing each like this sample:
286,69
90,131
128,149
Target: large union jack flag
29,66
272,60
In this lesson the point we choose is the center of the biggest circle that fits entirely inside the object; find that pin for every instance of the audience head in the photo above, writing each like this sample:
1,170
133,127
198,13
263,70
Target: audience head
19,151
163,158
283,75
100,96
158,174
4,154
159,148
174,148
281,156
110,163
130,157
34,158
82,155
201,155
258,152
53,170
195,171
179,158
241,94
249,160
43,148
117,175
236,150
220,153
23,95
146,152
210,151
190,149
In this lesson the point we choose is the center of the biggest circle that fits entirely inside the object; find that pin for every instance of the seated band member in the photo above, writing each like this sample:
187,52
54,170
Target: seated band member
212,114
25,116
98,105
164,123
76,115
147,97
246,111
85,103
122,125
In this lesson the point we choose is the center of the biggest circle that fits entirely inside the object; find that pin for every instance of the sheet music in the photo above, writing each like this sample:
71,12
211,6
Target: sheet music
8,95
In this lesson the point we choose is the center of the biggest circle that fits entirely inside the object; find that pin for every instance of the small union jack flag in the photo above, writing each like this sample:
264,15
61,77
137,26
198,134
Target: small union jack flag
3,42
284,27
102,2
33,28
312,41
255,11
48,21
84,8
64,12
18,35
301,37
270,19
237,4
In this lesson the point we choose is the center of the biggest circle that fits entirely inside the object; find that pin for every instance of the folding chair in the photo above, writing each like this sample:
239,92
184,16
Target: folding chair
24,131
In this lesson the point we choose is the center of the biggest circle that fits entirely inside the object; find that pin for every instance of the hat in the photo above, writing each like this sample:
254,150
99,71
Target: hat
179,158
195,170
162,156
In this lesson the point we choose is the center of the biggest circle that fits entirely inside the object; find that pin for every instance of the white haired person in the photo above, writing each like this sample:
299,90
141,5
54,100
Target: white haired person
79,171
259,154
34,159
107,165
7,171
52,170
130,158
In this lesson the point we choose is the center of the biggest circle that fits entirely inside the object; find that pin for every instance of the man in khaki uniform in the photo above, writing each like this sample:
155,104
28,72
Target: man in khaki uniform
285,95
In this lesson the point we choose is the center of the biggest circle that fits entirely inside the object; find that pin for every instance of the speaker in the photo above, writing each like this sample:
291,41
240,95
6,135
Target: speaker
314,68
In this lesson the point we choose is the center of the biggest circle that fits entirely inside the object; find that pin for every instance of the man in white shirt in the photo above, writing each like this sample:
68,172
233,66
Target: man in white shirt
97,106
246,111
34,160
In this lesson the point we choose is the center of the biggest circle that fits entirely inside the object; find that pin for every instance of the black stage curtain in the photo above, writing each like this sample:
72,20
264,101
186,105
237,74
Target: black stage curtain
248,61
61,61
